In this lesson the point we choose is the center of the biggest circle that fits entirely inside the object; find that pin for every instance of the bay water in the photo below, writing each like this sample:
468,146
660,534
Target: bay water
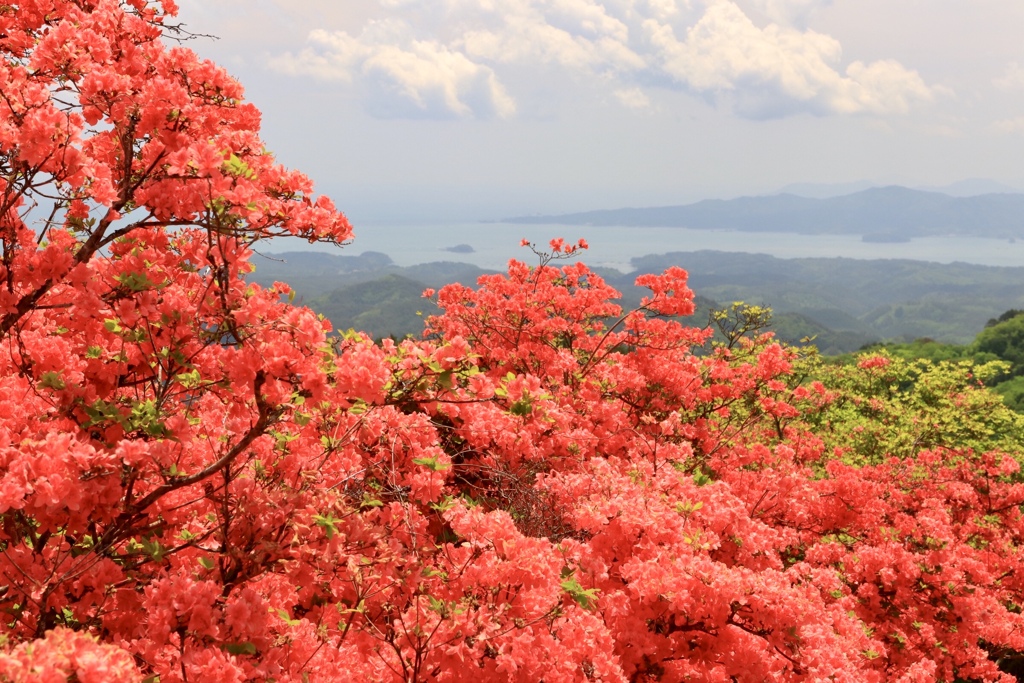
493,244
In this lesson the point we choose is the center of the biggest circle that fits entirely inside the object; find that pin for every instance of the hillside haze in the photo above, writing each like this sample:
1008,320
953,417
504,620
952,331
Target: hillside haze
883,213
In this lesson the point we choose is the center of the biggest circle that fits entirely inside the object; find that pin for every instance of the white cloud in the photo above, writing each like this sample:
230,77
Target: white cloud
881,87
529,41
633,98
462,57
790,12
1012,126
777,71
1012,78
436,81
577,34
405,78
330,57
664,9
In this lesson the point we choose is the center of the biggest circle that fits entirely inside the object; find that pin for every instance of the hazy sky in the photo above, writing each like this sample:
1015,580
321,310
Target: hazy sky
465,109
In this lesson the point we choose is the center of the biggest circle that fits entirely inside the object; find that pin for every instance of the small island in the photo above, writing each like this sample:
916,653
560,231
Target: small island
460,249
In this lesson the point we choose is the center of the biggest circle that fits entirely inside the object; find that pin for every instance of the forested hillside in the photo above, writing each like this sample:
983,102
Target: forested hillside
1000,343
842,303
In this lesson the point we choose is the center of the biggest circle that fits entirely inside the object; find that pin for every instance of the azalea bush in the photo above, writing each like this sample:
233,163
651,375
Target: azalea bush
200,482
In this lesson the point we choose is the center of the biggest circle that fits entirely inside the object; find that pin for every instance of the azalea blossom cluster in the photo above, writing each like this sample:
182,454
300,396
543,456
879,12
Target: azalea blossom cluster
198,482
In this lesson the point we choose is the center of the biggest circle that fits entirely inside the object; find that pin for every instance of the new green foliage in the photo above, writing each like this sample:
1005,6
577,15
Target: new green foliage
888,406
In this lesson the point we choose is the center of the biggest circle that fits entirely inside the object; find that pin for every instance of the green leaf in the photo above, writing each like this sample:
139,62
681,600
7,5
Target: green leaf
51,380
238,168
584,597
240,648
100,412
688,507
285,617
432,464
136,282
447,503
327,523
145,417
522,408
154,549
189,380
282,439
207,563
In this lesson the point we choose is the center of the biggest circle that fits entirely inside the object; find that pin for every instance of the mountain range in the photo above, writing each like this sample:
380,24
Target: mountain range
968,187
891,213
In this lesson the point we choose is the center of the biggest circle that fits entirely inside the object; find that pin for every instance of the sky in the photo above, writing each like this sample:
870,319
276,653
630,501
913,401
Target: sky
427,110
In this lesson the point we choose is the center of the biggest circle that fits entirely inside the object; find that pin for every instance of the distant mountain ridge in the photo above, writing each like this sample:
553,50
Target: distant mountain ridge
968,187
891,212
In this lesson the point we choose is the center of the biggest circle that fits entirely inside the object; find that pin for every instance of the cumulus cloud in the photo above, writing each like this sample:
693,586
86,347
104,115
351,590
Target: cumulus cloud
435,81
526,40
776,71
634,98
789,12
581,35
461,58
330,57
411,78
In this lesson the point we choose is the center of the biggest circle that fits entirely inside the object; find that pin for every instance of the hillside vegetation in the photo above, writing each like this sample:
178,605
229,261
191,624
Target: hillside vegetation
1000,343
842,303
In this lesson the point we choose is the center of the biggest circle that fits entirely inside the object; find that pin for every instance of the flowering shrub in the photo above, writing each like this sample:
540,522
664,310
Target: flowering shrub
197,483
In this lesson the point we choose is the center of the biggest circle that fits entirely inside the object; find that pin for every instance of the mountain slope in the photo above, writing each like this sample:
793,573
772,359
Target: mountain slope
886,212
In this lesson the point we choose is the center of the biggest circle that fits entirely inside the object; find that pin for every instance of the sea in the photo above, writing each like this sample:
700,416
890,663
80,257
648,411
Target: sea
493,244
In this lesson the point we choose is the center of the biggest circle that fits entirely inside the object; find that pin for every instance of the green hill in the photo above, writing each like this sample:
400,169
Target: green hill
390,305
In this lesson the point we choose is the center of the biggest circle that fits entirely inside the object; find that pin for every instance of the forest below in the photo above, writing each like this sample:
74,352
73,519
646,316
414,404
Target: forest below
910,309
843,304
